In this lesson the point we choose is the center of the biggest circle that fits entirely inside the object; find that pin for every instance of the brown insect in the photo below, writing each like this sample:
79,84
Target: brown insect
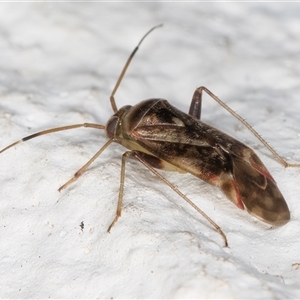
162,137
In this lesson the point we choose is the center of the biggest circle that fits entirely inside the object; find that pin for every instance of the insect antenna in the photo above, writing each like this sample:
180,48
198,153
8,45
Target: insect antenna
112,96
56,129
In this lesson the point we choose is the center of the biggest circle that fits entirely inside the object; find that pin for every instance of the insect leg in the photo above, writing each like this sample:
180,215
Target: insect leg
82,169
143,160
195,107
121,189
32,136
198,98
56,129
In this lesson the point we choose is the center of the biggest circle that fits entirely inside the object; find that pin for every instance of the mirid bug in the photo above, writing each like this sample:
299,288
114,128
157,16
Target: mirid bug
162,137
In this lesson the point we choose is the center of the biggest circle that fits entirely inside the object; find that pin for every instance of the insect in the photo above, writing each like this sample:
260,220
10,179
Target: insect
162,137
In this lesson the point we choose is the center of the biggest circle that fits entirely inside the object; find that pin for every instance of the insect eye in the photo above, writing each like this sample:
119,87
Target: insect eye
111,126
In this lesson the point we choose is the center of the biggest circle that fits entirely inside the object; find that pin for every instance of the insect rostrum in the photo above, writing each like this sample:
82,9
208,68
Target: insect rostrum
162,137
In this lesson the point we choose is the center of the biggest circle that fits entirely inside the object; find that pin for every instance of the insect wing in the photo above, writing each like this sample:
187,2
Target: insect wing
209,154
259,191
179,139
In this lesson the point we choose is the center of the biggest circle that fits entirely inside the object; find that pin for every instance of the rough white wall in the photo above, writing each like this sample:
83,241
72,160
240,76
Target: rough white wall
58,65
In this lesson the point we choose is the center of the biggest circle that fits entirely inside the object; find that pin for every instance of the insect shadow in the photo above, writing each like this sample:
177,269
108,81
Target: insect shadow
162,137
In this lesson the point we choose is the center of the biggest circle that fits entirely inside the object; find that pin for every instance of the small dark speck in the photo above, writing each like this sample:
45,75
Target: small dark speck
81,225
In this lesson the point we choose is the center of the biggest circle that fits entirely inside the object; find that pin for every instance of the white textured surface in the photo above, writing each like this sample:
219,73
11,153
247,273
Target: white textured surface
58,65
